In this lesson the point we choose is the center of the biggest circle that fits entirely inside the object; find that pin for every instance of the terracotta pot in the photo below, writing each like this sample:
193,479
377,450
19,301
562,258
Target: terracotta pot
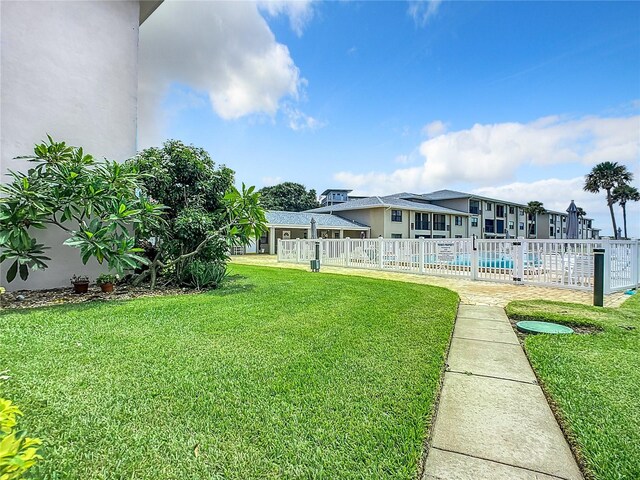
107,287
81,287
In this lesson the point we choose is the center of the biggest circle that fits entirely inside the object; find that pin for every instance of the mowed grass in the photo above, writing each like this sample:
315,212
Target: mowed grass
280,374
594,380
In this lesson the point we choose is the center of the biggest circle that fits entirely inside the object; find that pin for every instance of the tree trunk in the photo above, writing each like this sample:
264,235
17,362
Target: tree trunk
624,219
613,216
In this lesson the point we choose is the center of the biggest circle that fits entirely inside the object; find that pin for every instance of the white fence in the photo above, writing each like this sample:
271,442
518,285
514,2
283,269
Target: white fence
567,263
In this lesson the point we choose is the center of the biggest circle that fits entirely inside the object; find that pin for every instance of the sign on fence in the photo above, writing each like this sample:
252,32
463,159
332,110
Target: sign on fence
564,263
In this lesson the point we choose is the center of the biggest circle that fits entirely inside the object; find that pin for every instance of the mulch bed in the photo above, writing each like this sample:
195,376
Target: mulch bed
61,296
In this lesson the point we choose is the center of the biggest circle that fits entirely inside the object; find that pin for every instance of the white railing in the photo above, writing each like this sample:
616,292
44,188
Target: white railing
567,263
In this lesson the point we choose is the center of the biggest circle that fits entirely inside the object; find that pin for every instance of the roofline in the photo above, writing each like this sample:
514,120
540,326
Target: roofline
336,190
319,227
147,7
451,211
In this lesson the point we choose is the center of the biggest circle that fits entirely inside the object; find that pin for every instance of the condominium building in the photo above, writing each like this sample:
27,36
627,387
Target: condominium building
449,214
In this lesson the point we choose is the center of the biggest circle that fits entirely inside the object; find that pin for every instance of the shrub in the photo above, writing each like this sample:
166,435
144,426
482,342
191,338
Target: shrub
106,278
200,274
18,453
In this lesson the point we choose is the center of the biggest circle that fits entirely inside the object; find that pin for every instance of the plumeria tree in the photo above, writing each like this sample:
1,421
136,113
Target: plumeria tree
98,204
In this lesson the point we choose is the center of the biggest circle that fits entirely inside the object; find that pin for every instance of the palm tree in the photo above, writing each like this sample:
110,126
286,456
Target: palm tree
533,209
606,176
581,212
623,194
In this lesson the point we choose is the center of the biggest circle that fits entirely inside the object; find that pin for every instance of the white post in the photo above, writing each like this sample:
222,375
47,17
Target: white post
347,247
381,250
272,241
607,267
518,262
422,245
474,258
297,250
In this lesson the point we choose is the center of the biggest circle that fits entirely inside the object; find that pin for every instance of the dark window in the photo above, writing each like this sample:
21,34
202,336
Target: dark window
512,210
396,216
488,226
422,221
488,206
551,231
521,226
474,206
474,221
458,220
499,210
458,236
396,235
512,225
439,222
499,226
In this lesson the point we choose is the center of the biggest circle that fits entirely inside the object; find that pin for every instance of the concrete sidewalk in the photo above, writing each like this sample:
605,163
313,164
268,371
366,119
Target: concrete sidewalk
493,420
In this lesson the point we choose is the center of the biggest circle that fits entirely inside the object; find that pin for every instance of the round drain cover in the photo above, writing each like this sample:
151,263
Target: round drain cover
542,327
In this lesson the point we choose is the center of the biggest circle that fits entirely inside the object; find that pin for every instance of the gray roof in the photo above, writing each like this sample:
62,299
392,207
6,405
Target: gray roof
452,194
389,201
303,219
341,190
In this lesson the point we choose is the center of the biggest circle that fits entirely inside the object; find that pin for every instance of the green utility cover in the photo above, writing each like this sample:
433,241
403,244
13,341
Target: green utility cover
542,327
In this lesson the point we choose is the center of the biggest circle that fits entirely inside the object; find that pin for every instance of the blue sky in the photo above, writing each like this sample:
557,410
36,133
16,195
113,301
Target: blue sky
516,100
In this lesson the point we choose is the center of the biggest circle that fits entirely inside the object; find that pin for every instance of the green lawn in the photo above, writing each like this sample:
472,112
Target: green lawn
281,374
593,379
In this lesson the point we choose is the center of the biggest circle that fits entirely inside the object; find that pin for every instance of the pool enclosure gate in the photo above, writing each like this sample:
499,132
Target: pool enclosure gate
557,263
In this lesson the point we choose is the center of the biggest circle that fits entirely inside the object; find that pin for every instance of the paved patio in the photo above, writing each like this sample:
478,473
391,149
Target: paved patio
473,293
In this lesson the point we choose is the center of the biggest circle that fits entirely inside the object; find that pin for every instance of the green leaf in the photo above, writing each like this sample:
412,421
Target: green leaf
24,272
13,270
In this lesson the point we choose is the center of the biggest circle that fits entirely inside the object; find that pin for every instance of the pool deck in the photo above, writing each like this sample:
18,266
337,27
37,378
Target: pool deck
471,292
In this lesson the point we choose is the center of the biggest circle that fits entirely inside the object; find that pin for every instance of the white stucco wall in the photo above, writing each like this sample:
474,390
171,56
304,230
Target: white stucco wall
68,68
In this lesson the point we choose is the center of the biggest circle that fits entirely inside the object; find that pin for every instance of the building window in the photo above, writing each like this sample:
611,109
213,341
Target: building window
499,226
422,221
488,206
396,216
512,225
520,211
474,207
439,222
423,236
499,210
458,236
488,226
521,226
458,220
551,231
512,210
474,221
396,235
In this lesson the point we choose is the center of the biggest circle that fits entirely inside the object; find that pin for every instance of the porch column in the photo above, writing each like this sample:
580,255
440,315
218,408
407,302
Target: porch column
272,240
341,233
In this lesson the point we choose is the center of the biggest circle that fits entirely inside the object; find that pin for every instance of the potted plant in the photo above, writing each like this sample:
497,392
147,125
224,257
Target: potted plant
106,281
80,283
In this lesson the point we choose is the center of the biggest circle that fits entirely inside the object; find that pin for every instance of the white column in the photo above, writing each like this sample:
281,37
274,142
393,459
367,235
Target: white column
341,233
272,241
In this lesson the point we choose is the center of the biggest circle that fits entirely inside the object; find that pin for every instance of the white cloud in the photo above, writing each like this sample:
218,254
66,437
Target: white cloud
402,159
423,10
270,181
435,128
494,153
300,12
223,50
299,120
